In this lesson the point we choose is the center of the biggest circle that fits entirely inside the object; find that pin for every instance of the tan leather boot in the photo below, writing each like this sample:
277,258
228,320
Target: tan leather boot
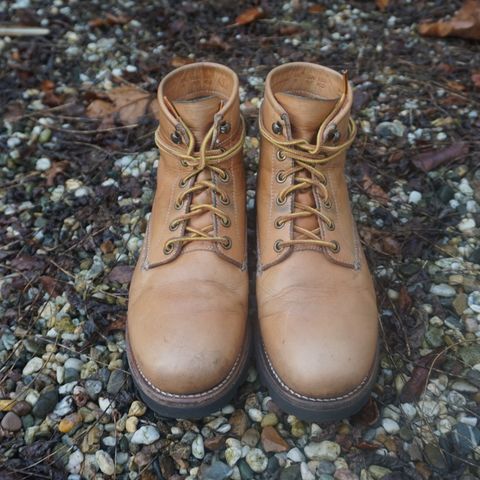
317,348
188,340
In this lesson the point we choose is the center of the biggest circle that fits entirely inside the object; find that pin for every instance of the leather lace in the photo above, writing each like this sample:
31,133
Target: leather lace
205,159
307,157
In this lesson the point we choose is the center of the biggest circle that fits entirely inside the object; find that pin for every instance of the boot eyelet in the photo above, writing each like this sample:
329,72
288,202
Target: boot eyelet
327,204
182,183
280,201
278,223
331,226
224,201
224,127
277,128
225,177
183,162
178,205
226,222
281,155
174,224
226,243
323,181
176,138
168,248
336,247
333,135
278,246
281,176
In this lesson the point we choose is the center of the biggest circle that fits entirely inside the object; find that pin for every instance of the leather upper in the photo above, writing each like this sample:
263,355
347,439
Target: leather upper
188,302
317,307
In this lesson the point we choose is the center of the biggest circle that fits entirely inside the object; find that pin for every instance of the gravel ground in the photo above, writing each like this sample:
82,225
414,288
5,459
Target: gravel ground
75,195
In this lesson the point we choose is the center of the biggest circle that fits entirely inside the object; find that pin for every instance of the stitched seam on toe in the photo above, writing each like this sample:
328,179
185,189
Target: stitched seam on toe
191,395
305,397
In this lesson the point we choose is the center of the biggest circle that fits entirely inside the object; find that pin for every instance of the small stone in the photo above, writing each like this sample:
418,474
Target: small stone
409,410
198,449
239,423
269,420
325,450
105,462
467,225
34,365
74,363
116,382
344,474
434,337
463,386
251,437
470,354
390,426
292,472
474,301
255,414
473,376
325,467
389,130
465,438
6,404
75,461
43,164
22,408
234,451
295,455
272,441
131,424
11,422
64,407
46,402
93,388
145,435
245,471
414,197
256,460
305,472
216,471
298,429
377,472
68,423
443,290
214,443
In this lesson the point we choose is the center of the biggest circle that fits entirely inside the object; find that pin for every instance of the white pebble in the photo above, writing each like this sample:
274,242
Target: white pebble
198,450
443,290
414,197
390,426
467,225
145,435
32,366
43,164
105,462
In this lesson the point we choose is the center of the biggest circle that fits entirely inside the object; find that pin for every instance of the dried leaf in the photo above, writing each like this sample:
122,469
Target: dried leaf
54,170
215,41
380,241
316,9
118,324
124,105
14,111
249,16
121,274
368,415
382,4
476,79
27,263
374,191
432,159
180,61
404,300
465,23
414,388
50,285
109,20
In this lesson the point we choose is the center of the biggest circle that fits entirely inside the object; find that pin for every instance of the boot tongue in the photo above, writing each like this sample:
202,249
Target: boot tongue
306,113
198,114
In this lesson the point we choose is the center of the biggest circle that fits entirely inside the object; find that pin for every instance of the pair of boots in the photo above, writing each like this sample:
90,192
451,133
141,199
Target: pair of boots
188,335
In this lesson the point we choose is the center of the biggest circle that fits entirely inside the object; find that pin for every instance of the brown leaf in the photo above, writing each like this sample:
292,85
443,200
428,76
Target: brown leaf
54,170
50,285
118,324
125,105
14,111
109,20
476,79
27,262
249,16
47,85
374,191
414,388
432,159
107,247
316,9
465,23
404,300
215,41
368,415
382,4
180,61
380,241
121,274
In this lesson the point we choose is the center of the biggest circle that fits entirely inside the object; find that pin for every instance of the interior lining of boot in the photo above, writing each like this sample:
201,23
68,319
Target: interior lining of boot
310,95
196,83
195,99
309,81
